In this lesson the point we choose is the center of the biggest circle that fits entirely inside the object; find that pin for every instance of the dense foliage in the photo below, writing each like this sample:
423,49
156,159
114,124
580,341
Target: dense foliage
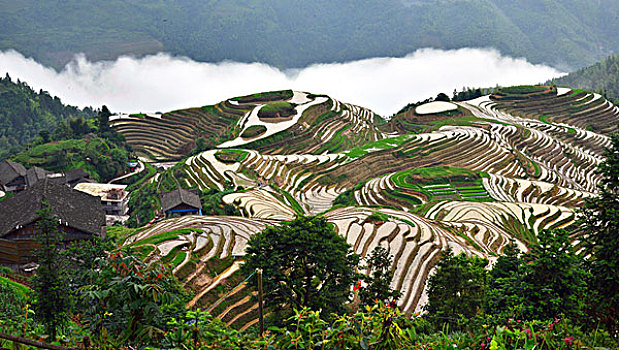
602,77
546,283
25,113
130,300
601,223
99,157
144,202
305,263
213,204
378,280
565,33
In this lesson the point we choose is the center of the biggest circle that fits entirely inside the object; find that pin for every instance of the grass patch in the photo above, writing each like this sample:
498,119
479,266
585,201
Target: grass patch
279,109
231,155
254,131
19,288
265,96
441,175
523,89
293,203
180,257
164,236
120,233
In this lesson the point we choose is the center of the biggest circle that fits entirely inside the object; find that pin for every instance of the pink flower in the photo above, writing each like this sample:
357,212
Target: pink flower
483,345
568,340
528,331
557,320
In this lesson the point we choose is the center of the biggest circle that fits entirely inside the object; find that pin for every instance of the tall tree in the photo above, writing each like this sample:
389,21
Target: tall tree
457,289
505,293
555,279
378,280
103,119
600,219
52,301
305,263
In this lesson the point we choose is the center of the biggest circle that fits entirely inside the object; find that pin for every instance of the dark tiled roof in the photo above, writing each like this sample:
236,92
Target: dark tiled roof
34,174
174,198
9,171
77,209
76,174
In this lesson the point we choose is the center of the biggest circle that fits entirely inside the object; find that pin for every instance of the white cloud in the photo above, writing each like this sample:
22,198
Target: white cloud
162,82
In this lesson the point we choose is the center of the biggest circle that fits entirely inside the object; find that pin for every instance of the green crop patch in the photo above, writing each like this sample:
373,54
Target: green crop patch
231,155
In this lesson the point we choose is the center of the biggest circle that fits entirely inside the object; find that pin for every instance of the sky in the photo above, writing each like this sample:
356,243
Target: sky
161,83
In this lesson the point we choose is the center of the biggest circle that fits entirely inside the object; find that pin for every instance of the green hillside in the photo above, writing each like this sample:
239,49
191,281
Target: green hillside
602,76
442,188
566,33
24,112
472,176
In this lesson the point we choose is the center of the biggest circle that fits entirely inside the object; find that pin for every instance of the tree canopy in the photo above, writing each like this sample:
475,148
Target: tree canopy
305,263
600,221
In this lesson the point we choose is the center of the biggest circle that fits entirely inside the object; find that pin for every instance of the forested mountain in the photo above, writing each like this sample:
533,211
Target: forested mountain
602,76
567,34
24,113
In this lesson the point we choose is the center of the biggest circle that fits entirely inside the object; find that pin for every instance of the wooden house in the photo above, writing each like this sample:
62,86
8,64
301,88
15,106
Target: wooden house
80,217
181,202
12,176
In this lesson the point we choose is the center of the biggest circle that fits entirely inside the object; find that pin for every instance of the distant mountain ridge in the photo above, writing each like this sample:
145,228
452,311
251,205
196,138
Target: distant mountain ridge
567,34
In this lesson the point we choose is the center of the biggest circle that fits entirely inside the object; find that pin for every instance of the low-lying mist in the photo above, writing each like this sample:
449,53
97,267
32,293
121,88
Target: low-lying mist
162,82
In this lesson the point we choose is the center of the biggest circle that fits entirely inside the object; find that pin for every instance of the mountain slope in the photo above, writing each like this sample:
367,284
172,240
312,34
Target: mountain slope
602,76
24,112
470,176
566,33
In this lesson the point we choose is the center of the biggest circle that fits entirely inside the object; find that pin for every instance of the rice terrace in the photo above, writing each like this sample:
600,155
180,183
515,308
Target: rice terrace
470,175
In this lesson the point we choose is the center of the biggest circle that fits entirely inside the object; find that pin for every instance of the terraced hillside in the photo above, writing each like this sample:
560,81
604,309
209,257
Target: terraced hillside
471,175
314,124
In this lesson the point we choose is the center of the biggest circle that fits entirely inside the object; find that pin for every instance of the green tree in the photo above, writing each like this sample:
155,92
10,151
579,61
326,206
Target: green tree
103,121
378,281
555,280
52,301
305,263
45,135
505,289
79,126
81,258
442,97
201,144
143,204
600,219
457,289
